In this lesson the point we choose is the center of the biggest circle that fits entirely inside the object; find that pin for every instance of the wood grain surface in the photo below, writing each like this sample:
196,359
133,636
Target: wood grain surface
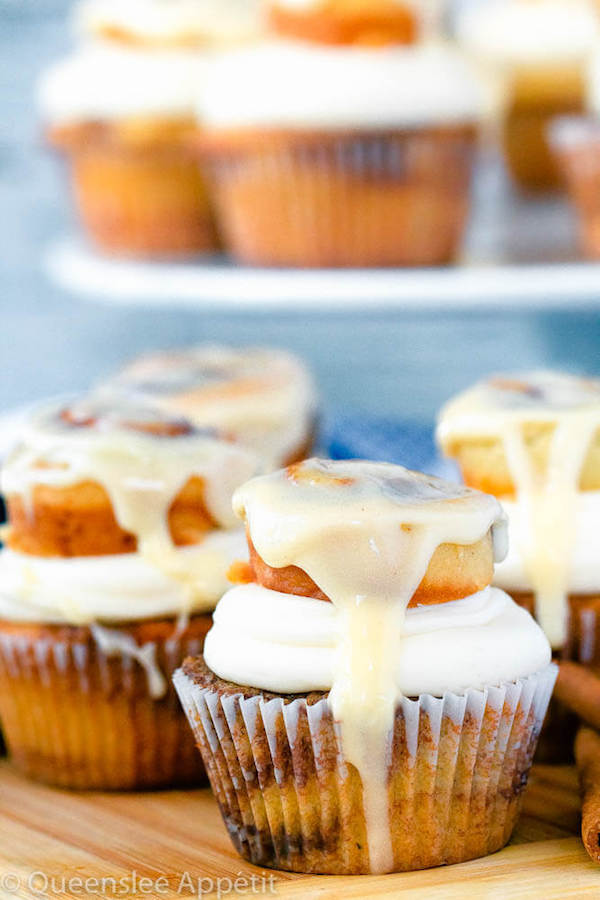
173,844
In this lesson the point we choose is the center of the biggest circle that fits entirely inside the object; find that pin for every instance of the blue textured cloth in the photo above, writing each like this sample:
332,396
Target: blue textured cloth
410,444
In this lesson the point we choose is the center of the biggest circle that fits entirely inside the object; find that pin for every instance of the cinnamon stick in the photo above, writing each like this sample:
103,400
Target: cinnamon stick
587,756
579,689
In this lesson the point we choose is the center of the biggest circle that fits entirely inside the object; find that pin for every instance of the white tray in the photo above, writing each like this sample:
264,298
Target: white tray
220,285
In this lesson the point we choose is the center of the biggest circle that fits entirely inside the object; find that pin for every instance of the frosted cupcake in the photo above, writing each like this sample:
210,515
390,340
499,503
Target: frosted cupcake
343,141
119,538
262,397
367,703
121,109
534,52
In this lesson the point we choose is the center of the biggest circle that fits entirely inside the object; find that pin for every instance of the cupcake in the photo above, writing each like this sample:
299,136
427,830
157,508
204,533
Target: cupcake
367,702
121,110
119,537
534,54
263,398
346,139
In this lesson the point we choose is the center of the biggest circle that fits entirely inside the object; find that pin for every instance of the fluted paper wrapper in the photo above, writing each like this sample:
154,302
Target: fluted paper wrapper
459,765
146,203
74,717
372,199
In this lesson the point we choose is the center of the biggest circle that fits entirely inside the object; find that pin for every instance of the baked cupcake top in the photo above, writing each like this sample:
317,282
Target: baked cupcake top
168,23
533,439
530,32
367,536
262,397
100,494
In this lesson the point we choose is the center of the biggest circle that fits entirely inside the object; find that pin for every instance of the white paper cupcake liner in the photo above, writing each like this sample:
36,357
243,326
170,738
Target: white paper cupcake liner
459,767
344,199
76,717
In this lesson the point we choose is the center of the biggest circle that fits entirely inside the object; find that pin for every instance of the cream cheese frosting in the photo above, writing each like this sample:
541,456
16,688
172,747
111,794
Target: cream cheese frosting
264,398
365,534
170,21
584,567
282,84
102,82
530,32
549,506
115,589
284,643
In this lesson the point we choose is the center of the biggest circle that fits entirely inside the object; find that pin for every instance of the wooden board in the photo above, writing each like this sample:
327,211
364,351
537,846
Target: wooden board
175,838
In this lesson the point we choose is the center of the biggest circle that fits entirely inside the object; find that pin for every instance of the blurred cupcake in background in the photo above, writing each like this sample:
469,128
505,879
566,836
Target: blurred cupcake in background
346,139
262,397
533,440
576,143
119,539
121,110
533,54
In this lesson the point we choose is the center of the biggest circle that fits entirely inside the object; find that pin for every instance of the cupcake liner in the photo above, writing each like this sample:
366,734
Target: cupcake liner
142,196
582,645
74,717
372,199
290,801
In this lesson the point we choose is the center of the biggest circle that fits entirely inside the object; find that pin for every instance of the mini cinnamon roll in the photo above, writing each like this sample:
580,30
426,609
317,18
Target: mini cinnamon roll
263,397
401,714
119,537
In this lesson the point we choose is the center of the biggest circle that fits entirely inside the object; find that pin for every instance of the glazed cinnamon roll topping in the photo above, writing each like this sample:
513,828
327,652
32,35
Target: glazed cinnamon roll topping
144,461
262,397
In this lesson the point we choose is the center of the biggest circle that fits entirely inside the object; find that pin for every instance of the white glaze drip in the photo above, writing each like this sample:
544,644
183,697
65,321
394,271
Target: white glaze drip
365,533
501,408
115,643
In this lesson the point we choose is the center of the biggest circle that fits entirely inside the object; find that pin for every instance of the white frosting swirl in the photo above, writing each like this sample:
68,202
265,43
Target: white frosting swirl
583,565
284,643
102,82
295,85
115,589
524,32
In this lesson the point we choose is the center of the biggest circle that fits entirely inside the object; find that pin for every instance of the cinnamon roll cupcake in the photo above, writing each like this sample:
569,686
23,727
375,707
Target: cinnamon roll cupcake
119,538
367,702
121,110
533,440
346,139
262,397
